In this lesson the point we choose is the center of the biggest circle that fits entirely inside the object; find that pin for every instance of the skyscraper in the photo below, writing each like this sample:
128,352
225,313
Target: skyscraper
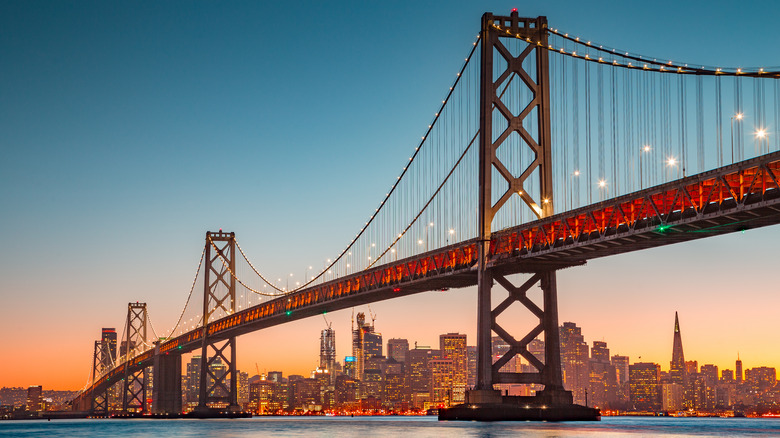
575,360
739,369
328,353
677,365
34,398
644,386
441,382
453,347
108,335
365,343
398,350
193,378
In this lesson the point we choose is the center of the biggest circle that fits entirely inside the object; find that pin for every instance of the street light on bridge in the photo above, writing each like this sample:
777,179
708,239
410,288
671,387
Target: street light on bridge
645,149
738,117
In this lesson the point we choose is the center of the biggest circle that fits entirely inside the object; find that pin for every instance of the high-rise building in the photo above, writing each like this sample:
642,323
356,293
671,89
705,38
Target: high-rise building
710,373
671,397
643,381
761,379
276,376
603,385
372,383
349,367
372,344
418,373
328,353
365,343
599,352
453,347
693,394
243,388
575,361
346,391
677,372
35,398
398,350
395,383
621,364
441,382
193,379
471,375
738,366
108,335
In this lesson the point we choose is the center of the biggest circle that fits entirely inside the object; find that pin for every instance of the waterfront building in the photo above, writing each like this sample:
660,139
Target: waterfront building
418,373
346,391
671,397
677,372
603,383
35,398
575,361
442,381
643,382
242,387
453,347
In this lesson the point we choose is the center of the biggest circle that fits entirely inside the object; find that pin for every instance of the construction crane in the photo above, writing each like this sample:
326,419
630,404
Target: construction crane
326,320
373,315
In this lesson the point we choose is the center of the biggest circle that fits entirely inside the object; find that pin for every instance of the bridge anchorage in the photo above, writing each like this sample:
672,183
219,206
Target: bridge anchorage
485,403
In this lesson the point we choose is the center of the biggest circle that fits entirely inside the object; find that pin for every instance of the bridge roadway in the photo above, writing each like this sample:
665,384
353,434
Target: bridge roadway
733,198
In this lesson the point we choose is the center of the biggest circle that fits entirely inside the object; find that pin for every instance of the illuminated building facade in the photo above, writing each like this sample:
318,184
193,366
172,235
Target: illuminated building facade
35,398
575,359
643,381
453,347
442,381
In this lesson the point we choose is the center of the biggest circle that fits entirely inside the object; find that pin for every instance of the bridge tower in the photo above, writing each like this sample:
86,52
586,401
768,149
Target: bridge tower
553,403
219,294
135,383
101,361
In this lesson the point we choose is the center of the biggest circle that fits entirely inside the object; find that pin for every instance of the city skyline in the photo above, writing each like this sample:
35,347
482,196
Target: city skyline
106,202
405,376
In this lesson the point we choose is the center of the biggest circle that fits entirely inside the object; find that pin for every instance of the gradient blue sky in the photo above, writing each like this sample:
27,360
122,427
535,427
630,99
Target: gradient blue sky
129,129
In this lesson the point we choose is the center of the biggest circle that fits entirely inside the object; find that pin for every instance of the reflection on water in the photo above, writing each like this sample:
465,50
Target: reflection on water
379,427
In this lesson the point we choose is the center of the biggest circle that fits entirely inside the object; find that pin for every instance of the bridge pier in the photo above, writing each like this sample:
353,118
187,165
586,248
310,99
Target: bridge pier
166,393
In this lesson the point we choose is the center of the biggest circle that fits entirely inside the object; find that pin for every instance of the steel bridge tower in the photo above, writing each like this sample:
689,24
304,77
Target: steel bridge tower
484,402
219,293
135,383
101,362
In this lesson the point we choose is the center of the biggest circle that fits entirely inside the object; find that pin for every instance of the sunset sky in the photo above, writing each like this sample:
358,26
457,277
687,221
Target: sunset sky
129,129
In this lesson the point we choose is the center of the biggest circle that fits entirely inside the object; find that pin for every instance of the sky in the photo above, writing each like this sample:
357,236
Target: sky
129,129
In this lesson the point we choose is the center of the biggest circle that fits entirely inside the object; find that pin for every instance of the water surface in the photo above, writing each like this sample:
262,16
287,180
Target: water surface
379,427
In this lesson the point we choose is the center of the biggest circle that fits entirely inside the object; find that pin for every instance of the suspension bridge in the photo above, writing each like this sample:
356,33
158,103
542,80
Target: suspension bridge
547,151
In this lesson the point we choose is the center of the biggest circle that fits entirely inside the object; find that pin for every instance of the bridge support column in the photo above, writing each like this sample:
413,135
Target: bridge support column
166,395
485,402
218,376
